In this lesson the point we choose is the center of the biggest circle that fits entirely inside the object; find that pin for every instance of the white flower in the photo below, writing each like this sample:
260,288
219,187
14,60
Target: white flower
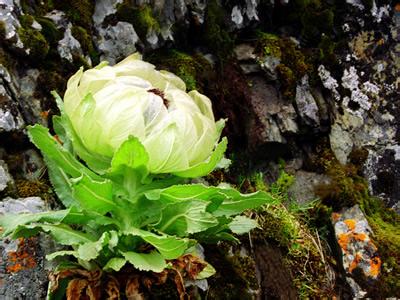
108,104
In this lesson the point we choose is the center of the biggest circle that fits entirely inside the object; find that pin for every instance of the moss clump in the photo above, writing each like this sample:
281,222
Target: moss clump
293,65
49,30
80,12
288,229
142,18
193,69
86,42
32,38
34,188
37,7
215,34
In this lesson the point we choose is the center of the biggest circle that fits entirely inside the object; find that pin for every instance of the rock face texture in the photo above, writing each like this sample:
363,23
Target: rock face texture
312,83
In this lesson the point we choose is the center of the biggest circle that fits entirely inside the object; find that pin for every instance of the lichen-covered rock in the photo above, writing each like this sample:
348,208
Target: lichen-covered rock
359,253
22,270
9,23
306,103
10,116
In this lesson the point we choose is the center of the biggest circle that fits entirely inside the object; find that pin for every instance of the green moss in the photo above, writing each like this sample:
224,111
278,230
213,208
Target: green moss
192,69
293,64
142,18
215,34
34,41
80,12
49,30
86,42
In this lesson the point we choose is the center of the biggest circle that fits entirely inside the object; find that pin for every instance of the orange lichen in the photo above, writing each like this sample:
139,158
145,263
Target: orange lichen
397,7
343,240
355,262
360,237
375,266
351,223
24,257
335,217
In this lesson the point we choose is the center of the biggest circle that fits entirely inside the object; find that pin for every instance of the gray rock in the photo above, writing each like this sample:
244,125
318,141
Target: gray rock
5,177
59,18
237,17
103,9
10,116
22,205
116,42
341,143
244,52
9,12
303,187
306,104
69,47
269,64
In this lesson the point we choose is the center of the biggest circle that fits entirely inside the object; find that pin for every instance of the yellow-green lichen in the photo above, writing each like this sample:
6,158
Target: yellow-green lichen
86,42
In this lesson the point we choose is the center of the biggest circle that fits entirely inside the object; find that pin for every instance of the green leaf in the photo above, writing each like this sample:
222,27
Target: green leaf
115,264
61,233
207,167
9,222
50,148
61,183
169,246
242,224
94,195
131,154
152,261
237,203
57,254
129,165
183,218
91,250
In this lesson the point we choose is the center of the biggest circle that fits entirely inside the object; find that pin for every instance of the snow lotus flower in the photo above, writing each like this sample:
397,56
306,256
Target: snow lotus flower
108,104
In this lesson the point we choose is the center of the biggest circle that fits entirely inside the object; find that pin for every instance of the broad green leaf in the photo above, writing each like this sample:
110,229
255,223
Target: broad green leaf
9,222
179,193
207,167
91,250
129,165
96,162
186,217
220,232
61,183
169,246
59,129
115,264
238,203
152,261
57,254
61,233
131,154
242,224
40,136
94,195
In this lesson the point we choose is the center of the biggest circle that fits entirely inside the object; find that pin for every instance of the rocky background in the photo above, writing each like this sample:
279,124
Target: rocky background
311,92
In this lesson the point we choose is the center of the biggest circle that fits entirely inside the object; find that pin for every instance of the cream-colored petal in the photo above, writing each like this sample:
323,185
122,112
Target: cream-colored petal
72,96
203,102
175,80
